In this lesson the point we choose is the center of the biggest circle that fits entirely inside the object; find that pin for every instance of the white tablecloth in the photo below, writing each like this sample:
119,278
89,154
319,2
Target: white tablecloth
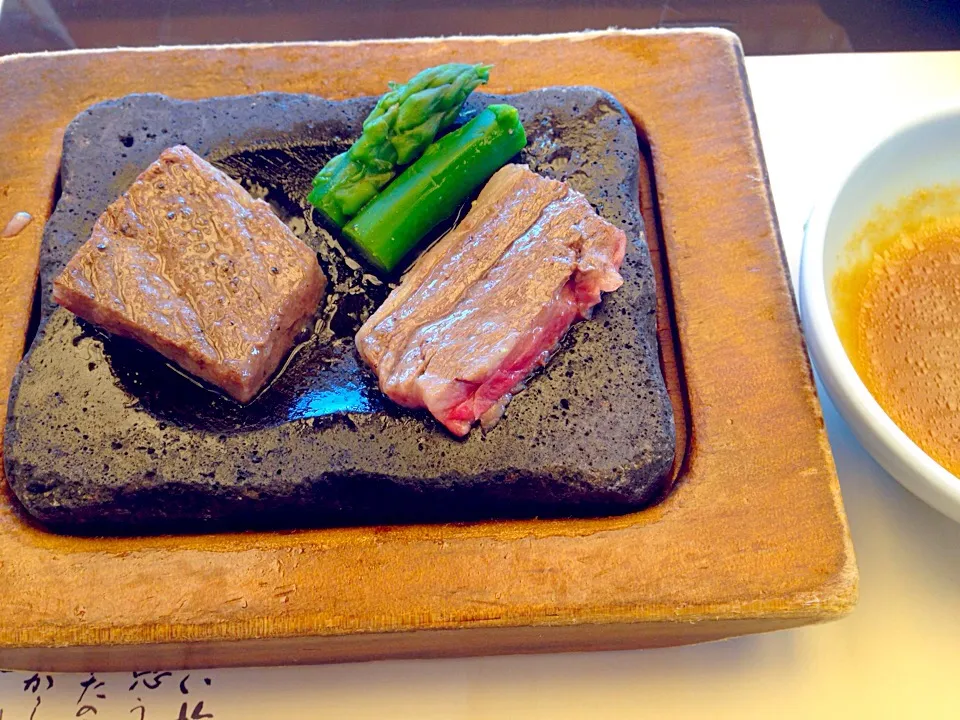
896,656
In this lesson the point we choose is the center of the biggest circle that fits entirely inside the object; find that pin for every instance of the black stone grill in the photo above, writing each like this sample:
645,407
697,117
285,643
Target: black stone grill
105,436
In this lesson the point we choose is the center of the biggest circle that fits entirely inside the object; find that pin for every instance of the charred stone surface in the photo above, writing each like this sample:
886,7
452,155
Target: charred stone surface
104,436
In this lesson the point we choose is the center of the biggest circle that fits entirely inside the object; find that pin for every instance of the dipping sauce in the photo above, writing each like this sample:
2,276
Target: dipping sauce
896,304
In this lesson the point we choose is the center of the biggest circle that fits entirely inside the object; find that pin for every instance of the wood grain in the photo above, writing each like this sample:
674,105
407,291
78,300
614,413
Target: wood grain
753,537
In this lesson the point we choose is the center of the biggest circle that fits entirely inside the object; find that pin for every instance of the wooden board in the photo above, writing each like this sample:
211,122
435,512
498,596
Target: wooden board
753,538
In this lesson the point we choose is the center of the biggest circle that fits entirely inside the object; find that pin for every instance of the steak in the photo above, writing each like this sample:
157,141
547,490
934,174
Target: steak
188,263
488,304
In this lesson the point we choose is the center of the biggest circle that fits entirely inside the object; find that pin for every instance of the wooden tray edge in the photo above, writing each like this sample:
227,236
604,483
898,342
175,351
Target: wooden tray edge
833,599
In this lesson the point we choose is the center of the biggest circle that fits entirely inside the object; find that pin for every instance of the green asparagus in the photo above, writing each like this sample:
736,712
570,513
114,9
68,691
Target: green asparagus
429,191
396,132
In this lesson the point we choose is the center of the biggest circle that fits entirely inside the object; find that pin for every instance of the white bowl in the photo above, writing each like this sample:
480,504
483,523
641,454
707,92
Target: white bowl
921,154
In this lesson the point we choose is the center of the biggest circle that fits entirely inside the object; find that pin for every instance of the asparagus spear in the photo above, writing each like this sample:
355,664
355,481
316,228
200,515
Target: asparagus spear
430,190
399,128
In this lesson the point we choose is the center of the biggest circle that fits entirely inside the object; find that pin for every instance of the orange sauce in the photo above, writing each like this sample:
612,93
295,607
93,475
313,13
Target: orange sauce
896,305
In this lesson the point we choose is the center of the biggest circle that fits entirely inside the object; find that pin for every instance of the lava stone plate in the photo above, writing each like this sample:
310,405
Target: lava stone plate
105,436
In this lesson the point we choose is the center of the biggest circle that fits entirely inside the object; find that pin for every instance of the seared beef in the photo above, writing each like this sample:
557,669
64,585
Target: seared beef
187,262
489,302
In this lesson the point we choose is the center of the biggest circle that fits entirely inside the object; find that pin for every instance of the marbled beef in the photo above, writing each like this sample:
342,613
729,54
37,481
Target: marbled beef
188,263
487,305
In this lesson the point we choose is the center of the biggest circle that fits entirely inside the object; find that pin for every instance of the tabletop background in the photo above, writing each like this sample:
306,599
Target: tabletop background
766,27
896,656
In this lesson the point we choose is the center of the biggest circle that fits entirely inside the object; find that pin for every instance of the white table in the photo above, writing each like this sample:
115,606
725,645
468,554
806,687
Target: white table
896,656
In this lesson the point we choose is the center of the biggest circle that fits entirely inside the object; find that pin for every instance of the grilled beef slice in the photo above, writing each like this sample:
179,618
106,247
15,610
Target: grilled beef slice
188,263
489,302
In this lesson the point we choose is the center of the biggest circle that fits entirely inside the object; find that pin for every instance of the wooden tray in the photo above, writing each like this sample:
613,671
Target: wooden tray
753,537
